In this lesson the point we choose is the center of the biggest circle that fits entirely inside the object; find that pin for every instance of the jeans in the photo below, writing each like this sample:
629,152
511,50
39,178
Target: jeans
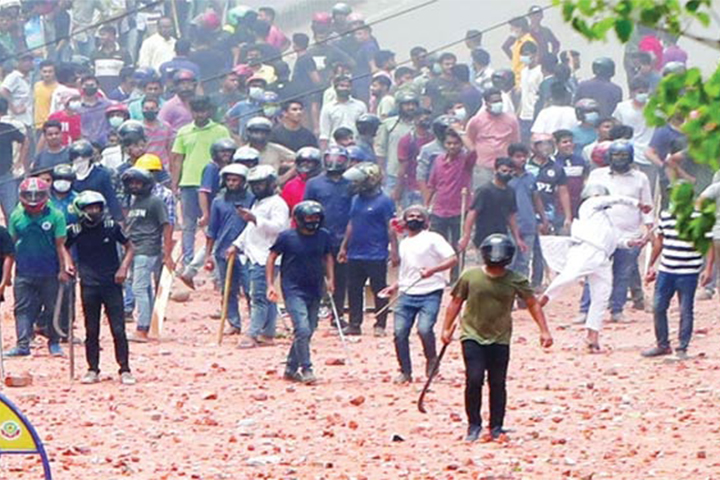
144,268
525,131
494,359
8,194
190,213
665,287
449,228
93,299
358,273
263,312
34,296
425,308
623,260
538,263
304,315
239,279
522,261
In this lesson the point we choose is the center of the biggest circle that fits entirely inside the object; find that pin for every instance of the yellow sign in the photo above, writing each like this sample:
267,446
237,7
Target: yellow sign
14,435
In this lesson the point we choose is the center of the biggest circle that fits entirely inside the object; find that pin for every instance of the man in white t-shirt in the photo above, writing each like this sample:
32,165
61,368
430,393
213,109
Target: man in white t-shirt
531,77
425,257
631,113
559,115
18,91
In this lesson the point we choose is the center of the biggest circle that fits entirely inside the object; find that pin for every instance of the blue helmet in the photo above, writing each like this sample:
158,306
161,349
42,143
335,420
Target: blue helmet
621,154
357,154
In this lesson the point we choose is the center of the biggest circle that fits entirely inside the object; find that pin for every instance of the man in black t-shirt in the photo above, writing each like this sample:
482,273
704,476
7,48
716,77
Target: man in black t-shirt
101,277
289,132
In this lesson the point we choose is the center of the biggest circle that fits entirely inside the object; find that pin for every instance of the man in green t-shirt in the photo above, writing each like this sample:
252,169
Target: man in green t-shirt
486,327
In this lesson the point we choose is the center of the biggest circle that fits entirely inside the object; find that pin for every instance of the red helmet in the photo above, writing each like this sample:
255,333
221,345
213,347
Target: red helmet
599,154
117,108
321,19
34,194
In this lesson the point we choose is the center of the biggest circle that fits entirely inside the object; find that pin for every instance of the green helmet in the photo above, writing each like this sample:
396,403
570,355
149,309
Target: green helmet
84,200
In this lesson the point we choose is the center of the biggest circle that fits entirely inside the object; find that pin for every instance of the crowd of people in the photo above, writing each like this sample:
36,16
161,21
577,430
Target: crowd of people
319,153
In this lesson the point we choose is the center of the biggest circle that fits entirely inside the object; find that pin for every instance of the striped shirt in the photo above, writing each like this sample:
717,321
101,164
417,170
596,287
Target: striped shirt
678,256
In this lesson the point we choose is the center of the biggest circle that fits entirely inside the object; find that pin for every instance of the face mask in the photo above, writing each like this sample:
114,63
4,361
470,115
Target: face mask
461,114
620,165
256,93
592,118
82,167
436,69
495,108
270,111
415,225
642,97
525,59
75,105
504,177
426,124
94,218
62,186
90,91
115,122
150,115
185,94
343,93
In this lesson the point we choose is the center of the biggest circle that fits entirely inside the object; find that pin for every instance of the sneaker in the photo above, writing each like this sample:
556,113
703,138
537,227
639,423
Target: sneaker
498,434
352,330
580,319
681,354
247,342
429,365
379,331
334,324
230,331
264,341
129,317
17,352
126,378
139,336
90,378
325,312
473,433
704,294
307,377
291,376
56,350
402,379
657,352
617,317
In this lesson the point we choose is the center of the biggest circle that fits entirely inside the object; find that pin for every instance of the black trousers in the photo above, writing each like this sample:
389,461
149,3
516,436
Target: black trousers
110,297
494,359
358,273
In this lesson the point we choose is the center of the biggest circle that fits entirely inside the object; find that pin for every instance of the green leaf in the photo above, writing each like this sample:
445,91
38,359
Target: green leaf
692,5
623,29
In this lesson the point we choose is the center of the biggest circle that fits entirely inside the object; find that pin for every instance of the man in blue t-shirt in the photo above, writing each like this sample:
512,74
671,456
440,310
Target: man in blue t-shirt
365,246
306,259
332,191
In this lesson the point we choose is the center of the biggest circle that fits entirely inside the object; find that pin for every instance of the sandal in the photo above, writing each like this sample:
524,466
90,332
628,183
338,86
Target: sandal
592,347
247,342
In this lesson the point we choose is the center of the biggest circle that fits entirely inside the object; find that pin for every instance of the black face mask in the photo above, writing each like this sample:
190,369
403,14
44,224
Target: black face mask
504,177
343,93
90,91
620,165
185,94
415,225
426,124
150,116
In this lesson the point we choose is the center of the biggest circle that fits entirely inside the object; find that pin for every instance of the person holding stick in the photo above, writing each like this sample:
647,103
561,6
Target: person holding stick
102,274
424,258
486,326
307,258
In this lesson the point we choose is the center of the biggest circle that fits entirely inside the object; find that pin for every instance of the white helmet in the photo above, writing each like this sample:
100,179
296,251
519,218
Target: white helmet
235,169
262,172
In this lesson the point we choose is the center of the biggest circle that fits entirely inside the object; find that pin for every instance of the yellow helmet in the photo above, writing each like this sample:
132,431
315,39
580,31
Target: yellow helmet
149,162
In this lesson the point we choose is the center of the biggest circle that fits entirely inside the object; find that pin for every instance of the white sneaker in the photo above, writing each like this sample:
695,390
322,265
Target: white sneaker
90,378
126,378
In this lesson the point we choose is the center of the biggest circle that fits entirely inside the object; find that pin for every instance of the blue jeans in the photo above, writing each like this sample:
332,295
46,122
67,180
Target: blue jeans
8,194
425,308
263,313
521,262
34,297
304,315
144,269
538,263
623,261
190,213
239,279
665,287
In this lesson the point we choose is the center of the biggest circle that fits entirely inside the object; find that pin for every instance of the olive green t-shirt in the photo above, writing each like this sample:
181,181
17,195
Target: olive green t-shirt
489,300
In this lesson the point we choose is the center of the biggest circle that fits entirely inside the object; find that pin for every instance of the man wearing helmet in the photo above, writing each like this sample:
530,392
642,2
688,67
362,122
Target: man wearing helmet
190,156
280,158
584,133
343,112
367,126
38,231
600,88
221,154
268,217
365,245
102,274
224,227
92,176
308,164
486,329
149,229
306,260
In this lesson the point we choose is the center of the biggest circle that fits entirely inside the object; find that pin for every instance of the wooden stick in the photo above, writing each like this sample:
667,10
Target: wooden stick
226,294
463,207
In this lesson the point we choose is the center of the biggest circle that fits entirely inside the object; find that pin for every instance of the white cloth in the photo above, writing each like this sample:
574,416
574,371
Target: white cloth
594,224
272,217
340,114
155,51
554,118
627,220
629,115
424,250
530,80
20,96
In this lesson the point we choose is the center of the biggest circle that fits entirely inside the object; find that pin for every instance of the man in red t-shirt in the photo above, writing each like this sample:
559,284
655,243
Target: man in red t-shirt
69,117
308,163
408,150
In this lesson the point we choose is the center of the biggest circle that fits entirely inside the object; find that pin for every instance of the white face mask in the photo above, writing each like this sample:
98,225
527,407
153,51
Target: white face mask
82,167
461,114
495,108
256,93
642,97
62,186
75,105
525,59
115,122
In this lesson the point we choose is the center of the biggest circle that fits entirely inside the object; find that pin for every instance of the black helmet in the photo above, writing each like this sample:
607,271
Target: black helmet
440,126
63,172
407,97
504,79
81,148
585,106
367,124
336,159
604,67
148,181
305,209
222,145
308,161
131,131
497,250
